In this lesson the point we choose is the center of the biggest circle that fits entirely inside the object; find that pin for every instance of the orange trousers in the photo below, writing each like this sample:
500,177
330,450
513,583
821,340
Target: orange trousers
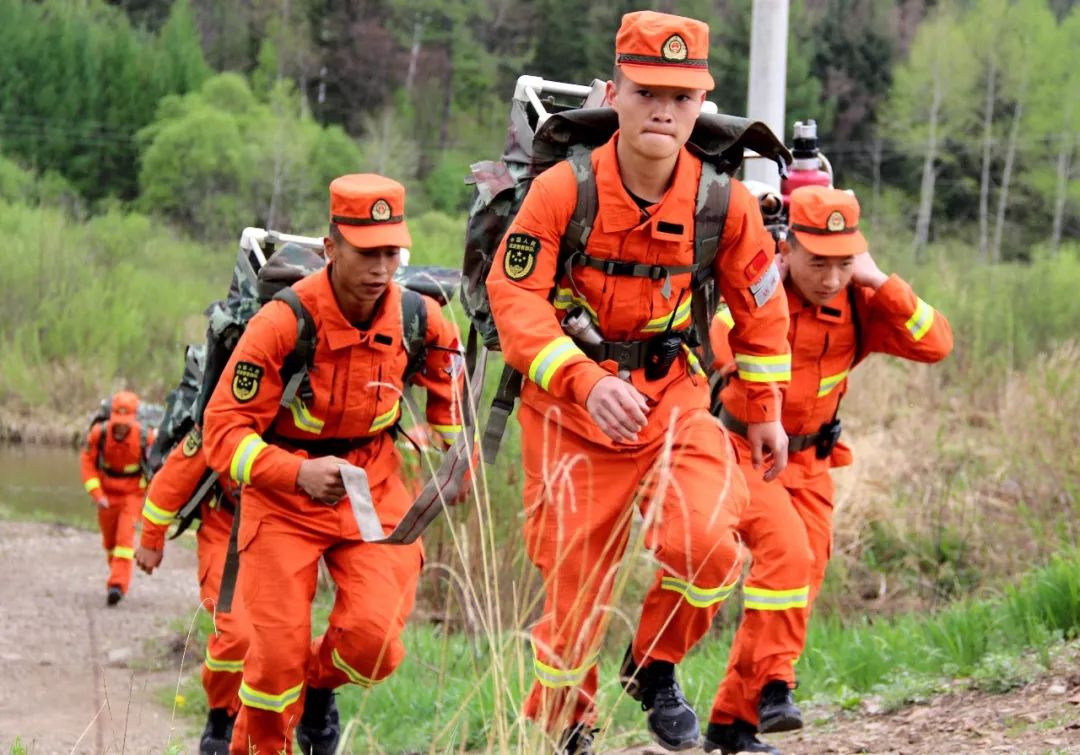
228,643
117,525
580,500
376,589
789,533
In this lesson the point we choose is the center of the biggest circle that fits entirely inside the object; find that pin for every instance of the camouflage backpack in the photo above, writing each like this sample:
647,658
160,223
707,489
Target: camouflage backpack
538,139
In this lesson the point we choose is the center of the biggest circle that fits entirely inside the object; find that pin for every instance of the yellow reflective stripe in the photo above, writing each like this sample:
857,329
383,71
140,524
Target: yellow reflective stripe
131,468
354,676
775,600
921,320
253,698
766,369
725,316
660,324
229,667
92,484
123,552
244,457
449,433
303,418
565,298
550,359
385,420
155,514
698,597
828,383
549,676
693,361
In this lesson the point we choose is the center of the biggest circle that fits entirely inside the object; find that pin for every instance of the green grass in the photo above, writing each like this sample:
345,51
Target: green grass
459,692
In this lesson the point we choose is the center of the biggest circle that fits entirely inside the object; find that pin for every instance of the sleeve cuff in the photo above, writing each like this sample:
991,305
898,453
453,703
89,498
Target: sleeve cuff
752,406
153,536
581,378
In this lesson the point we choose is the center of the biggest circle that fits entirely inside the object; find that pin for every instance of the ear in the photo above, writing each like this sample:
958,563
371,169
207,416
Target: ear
783,247
329,248
609,93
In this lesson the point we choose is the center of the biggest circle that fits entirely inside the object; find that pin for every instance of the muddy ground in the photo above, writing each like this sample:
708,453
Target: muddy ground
79,677
82,678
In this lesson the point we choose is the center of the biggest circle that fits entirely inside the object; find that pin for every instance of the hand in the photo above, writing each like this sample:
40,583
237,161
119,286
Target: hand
771,436
101,502
321,479
618,408
865,272
148,559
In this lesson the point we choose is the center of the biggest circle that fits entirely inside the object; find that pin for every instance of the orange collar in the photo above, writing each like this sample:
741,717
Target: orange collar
619,212
339,332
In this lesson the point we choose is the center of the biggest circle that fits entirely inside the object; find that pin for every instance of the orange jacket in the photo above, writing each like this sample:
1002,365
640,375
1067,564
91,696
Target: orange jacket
892,320
173,486
110,466
356,379
629,308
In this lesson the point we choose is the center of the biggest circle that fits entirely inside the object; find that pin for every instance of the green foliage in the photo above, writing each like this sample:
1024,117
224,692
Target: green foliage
220,159
90,307
77,82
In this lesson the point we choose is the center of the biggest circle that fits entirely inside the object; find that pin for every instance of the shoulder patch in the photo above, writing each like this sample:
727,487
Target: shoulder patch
245,383
520,259
766,285
192,443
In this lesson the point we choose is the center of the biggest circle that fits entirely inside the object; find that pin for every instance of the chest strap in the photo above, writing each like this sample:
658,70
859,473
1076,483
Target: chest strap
796,443
630,269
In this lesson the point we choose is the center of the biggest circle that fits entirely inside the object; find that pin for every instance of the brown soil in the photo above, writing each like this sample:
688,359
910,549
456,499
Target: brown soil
79,677
1042,718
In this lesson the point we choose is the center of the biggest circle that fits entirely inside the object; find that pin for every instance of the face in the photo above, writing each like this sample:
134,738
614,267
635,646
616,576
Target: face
817,278
360,276
120,431
654,122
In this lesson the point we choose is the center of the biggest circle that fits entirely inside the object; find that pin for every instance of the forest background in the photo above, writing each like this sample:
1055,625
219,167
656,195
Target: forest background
137,139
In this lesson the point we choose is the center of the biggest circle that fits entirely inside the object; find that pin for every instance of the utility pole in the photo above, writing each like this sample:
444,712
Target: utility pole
768,79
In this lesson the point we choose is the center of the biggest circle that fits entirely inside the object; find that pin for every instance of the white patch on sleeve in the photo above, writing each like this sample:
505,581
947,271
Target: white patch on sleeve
766,285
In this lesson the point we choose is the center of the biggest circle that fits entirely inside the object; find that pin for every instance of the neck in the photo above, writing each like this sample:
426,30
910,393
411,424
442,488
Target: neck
646,177
355,310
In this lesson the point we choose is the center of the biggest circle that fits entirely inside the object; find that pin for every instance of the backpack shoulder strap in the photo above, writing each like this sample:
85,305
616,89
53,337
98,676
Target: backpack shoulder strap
104,425
710,215
853,302
414,322
577,232
295,369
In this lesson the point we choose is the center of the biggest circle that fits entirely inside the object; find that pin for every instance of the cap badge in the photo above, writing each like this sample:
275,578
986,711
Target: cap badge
674,48
380,211
836,222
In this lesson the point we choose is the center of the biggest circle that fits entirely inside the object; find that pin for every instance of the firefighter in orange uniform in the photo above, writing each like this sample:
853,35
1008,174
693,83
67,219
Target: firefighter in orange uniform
843,308
179,479
112,473
287,459
600,432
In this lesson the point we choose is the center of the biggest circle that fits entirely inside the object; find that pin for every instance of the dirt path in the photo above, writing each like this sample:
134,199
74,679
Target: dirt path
1042,718
79,677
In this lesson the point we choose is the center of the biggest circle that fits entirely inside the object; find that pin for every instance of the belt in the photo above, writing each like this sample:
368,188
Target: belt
322,446
111,473
630,355
796,443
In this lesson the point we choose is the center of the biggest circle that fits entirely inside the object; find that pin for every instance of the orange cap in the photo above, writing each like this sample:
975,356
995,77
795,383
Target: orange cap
662,50
369,210
123,407
826,221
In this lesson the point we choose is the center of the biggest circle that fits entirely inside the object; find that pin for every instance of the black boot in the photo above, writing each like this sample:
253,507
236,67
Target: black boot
738,736
777,711
671,720
576,740
218,732
319,729
113,596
